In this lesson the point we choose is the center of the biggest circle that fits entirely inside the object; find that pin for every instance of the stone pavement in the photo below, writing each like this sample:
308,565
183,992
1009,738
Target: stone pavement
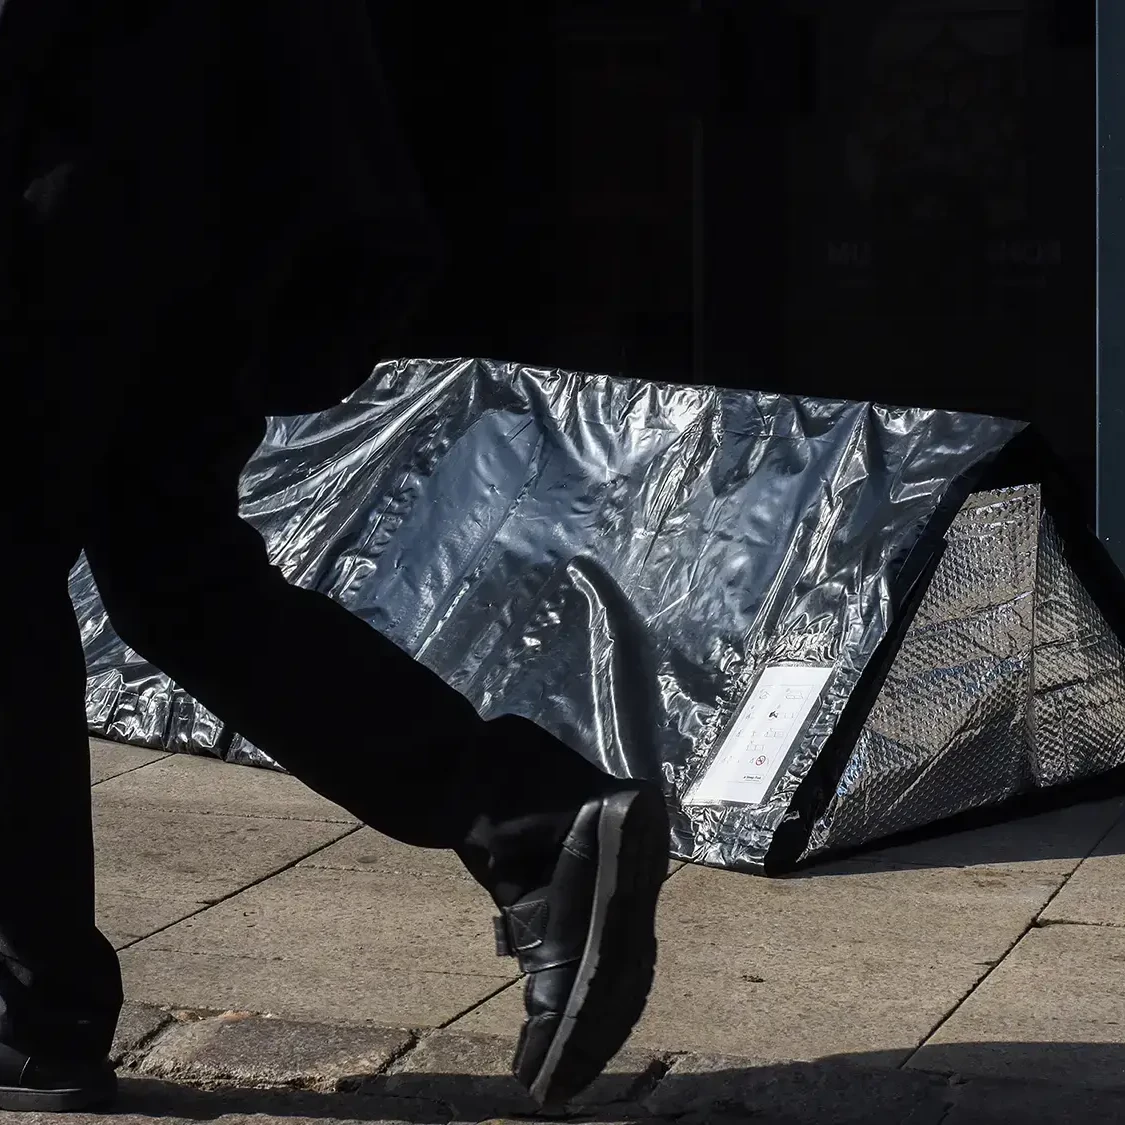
285,964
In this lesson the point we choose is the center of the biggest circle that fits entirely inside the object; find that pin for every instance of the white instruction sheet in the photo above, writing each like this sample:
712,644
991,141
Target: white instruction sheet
759,742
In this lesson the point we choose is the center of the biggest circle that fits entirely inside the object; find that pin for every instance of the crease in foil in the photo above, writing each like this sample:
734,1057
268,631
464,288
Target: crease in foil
619,560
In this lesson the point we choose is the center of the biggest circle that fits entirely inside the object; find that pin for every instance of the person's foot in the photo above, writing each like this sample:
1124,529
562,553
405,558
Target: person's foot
587,941
42,1085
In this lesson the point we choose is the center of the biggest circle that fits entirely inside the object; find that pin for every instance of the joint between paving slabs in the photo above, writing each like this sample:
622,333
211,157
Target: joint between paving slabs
132,1056
480,1003
413,1042
1036,923
132,769
209,903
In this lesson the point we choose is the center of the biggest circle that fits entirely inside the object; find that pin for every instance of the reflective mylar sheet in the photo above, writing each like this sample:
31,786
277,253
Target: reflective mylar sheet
622,562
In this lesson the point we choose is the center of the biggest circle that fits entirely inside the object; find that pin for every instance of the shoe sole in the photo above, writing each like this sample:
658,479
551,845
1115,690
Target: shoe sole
616,971
18,1098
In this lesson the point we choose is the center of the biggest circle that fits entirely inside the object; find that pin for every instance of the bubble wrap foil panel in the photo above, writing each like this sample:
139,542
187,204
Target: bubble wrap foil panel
618,561
1009,679
949,729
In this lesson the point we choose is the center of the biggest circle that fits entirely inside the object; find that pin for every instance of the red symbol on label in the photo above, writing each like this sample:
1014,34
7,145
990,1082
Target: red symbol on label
761,760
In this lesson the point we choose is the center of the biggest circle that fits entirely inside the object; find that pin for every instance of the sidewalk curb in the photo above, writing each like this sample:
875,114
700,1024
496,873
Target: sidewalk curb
468,1075
442,1074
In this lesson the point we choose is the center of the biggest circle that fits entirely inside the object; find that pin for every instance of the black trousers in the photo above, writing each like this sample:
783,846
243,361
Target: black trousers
184,187
137,462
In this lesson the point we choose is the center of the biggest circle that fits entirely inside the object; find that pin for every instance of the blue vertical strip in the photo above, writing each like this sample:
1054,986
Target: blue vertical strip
1111,276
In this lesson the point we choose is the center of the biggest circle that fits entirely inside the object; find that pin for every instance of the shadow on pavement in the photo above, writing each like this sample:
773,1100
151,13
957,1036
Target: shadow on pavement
844,1090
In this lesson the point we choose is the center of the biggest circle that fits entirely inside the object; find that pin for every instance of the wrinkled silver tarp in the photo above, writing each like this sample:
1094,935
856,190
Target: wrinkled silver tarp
625,562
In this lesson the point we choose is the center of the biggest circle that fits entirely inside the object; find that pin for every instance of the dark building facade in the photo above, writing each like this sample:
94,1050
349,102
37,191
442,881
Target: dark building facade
885,199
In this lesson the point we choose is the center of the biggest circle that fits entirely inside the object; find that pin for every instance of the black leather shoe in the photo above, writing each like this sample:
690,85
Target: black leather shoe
587,941
42,1085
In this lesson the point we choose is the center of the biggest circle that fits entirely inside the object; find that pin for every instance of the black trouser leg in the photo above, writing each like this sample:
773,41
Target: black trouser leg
188,584
60,982
60,985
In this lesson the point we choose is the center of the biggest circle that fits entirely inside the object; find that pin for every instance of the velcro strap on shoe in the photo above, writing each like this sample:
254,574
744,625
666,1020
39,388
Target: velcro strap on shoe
522,928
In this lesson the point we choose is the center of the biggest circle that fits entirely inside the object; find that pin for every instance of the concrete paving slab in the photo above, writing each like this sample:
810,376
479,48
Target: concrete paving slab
373,853
155,854
1053,843
871,1007
1053,1010
254,1051
406,954
886,1009
109,759
301,988
963,915
343,917
707,1088
1095,893
797,969
195,784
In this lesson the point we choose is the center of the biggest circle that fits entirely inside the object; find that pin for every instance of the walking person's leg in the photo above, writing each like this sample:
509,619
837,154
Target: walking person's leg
60,984
574,859
79,287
